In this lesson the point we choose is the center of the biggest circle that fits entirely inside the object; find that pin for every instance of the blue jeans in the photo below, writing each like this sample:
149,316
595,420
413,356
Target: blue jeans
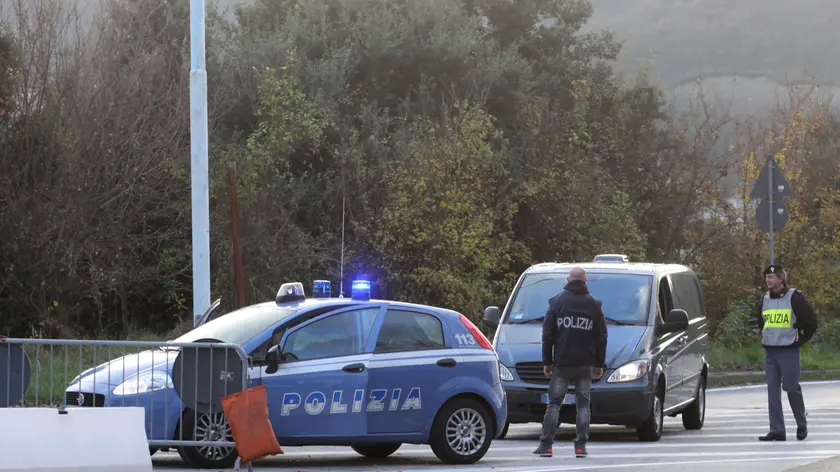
561,378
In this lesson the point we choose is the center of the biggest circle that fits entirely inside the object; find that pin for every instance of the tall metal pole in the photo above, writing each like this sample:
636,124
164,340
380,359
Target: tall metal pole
341,275
199,162
770,196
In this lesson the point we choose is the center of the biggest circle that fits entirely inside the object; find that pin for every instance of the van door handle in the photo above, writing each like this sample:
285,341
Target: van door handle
354,368
448,362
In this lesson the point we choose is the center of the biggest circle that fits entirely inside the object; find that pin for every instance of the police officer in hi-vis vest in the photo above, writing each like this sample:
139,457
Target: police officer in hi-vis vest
787,322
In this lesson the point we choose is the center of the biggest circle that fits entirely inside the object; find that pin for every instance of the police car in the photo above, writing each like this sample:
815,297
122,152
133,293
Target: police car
370,374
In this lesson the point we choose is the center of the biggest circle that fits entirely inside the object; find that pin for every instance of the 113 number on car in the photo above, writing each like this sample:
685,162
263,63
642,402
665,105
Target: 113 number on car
465,339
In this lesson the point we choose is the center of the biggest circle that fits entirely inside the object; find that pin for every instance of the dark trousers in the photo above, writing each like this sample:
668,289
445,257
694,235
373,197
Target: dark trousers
781,368
561,378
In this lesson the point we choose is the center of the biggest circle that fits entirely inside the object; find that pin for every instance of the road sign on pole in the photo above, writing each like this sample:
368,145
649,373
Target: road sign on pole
771,177
779,215
772,213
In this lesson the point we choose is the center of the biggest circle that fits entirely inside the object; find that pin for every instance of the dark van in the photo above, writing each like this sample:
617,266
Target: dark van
656,361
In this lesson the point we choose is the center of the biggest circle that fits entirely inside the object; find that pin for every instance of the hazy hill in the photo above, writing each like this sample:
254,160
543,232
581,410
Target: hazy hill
778,39
743,49
760,42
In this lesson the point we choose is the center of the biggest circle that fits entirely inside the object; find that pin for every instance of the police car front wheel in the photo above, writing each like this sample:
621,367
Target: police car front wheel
462,432
377,451
206,428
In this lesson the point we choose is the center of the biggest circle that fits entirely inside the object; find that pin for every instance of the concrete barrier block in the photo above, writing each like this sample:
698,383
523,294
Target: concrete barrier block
82,439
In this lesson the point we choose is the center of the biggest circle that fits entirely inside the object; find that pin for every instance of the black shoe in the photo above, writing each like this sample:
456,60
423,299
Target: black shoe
580,451
801,433
773,437
542,451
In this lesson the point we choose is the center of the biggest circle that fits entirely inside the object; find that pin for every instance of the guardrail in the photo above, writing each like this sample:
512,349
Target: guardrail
180,385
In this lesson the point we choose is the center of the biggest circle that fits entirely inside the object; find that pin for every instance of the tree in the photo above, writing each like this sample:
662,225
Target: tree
444,235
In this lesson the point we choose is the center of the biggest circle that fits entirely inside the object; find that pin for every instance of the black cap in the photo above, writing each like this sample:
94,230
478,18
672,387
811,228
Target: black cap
775,269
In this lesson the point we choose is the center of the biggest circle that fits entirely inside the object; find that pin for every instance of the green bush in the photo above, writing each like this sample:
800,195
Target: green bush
828,334
739,327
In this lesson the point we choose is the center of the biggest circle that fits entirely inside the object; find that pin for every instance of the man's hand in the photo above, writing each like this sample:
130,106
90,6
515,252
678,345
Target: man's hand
597,372
547,370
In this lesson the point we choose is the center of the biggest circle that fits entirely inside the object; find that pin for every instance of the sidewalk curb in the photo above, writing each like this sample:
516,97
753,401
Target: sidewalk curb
748,373
747,387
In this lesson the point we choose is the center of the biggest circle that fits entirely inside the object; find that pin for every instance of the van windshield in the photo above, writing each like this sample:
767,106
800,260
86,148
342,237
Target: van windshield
625,297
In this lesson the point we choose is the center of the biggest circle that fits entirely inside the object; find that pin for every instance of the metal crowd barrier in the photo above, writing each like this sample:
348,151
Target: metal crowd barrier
178,384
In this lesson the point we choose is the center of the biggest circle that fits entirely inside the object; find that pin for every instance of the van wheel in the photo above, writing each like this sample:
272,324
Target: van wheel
504,431
461,433
651,430
207,427
695,415
376,451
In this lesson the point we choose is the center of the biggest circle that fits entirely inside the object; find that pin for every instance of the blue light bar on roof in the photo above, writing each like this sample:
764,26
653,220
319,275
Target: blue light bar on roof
360,290
290,292
321,289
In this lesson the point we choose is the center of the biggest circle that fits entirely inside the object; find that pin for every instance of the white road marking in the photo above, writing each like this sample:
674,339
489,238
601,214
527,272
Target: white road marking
812,420
707,427
594,446
645,464
754,436
811,427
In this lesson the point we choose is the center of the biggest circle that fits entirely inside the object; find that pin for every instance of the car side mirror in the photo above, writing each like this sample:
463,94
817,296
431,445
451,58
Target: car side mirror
677,320
491,316
272,360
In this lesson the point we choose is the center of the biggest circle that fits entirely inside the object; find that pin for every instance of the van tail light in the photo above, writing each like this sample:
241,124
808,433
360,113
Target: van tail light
476,333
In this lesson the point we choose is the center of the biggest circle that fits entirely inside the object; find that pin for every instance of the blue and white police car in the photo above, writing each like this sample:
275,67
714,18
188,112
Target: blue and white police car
370,374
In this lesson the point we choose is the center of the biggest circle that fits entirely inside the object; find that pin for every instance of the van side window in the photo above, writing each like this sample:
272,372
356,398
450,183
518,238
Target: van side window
687,295
664,304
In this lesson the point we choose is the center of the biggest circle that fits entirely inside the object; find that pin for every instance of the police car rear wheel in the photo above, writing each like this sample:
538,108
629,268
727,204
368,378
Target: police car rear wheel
206,427
461,433
377,451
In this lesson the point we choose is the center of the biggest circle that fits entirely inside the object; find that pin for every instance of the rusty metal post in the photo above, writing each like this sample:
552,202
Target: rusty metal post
238,276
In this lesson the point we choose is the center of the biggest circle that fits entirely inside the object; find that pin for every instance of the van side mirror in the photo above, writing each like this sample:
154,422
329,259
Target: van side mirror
491,316
677,320
272,359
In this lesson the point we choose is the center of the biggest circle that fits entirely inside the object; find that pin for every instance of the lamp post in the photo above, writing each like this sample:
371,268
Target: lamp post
199,162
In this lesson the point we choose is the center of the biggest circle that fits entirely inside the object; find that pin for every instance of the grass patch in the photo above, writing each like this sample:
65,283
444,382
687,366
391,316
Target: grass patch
54,367
750,357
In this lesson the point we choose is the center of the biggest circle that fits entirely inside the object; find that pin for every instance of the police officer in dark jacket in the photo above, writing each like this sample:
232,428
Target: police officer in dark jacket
574,343
787,322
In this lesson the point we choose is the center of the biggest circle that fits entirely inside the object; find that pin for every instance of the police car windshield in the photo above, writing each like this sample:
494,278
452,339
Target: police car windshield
625,297
240,326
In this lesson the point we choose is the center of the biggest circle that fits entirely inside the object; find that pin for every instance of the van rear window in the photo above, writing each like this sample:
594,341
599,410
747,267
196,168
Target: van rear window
625,297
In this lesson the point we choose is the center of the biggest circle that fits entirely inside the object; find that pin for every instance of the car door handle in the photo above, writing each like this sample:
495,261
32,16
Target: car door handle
354,368
448,362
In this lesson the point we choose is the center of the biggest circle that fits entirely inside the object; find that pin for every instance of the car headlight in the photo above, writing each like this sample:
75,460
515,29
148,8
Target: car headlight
505,373
144,382
630,371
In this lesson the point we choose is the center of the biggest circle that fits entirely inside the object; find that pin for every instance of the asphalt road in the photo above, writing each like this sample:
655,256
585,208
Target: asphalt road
728,442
